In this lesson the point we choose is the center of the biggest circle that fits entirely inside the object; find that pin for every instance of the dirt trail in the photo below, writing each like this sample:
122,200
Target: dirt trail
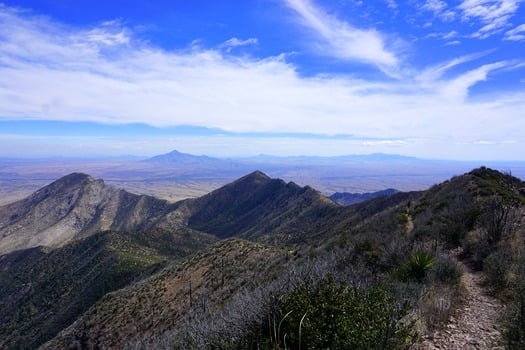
475,326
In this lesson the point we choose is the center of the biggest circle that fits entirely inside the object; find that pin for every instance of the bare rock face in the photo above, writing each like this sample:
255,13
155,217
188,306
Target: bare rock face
70,208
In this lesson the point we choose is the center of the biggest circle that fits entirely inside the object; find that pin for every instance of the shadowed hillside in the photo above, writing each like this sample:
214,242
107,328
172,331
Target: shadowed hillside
257,207
345,198
42,291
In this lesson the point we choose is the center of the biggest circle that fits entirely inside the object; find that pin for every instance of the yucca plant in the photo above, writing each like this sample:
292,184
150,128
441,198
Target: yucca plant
417,266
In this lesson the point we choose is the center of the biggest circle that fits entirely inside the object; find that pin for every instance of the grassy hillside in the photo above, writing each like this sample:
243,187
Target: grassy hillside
202,284
43,291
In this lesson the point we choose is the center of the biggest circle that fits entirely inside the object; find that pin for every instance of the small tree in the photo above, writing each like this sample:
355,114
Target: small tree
496,220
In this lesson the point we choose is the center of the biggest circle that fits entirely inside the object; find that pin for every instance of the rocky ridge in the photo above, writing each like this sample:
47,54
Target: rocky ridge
74,207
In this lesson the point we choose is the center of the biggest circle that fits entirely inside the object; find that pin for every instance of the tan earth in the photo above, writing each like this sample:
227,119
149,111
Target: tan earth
475,326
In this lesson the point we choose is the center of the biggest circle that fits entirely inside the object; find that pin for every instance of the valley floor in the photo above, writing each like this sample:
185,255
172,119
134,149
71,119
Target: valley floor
475,326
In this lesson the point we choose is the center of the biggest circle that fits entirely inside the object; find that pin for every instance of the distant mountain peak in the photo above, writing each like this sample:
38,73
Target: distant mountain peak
176,156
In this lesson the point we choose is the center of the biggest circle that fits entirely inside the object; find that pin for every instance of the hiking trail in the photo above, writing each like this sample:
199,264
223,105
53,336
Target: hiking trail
475,325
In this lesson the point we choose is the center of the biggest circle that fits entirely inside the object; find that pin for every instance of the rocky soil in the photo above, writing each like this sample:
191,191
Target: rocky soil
475,326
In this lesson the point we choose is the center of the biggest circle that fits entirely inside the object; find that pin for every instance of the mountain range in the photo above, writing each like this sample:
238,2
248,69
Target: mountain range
87,265
175,175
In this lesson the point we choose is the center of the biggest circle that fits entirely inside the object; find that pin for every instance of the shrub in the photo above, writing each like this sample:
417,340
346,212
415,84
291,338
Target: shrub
437,304
416,267
446,271
496,266
333,315
514,320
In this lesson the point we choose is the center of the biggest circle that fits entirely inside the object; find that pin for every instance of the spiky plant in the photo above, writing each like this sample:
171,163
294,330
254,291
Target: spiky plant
416,267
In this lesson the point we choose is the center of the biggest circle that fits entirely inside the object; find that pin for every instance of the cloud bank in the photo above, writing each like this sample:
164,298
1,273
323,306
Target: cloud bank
104,74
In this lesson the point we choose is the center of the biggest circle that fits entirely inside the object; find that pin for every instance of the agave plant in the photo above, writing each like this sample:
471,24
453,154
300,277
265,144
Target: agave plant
417,266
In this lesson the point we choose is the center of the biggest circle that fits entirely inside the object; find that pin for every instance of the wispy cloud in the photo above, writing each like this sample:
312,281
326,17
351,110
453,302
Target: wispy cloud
344,41
458,87
433,74
104,74
392,4
435,5
516,34
440,9
450,35
493,14
235,42
443,36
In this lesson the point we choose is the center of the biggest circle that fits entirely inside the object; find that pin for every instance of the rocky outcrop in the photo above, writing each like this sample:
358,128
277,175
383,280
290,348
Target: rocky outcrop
74,207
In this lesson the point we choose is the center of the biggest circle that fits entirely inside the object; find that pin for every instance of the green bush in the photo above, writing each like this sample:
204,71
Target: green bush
333,315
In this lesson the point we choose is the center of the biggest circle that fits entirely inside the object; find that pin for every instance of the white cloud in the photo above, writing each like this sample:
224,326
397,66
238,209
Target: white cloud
384,142
493,14
433,74
448,15
458,87
450,35
488,10
344,41
516,34
440,9
443,36
392,4
108,34
235,42
52,72
494,27
434,5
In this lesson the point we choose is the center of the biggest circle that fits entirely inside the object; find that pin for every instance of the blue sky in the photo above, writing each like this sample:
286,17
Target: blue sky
429,78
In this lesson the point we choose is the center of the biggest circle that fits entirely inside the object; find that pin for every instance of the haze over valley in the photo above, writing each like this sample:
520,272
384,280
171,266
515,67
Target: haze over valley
174,176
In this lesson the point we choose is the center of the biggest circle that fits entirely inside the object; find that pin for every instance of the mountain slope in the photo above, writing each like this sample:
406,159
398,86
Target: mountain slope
257,207
345,198
43,291
73,207
200,284
81,257
360,245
